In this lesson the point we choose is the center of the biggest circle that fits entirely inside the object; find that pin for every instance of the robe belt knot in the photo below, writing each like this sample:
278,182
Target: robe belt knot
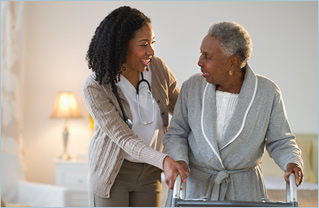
221,175
218,187
218,181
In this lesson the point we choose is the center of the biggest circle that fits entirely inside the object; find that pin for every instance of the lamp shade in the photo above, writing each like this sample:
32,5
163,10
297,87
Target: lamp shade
66,106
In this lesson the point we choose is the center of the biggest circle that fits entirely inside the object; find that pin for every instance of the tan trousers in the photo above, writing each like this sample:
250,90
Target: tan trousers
136,185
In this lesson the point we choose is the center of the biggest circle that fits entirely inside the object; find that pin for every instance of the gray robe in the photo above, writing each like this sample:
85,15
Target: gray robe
230,170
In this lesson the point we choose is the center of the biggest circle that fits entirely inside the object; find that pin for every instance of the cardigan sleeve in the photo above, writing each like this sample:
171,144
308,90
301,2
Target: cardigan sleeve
281,144
173,90
112,124
176,139
168,79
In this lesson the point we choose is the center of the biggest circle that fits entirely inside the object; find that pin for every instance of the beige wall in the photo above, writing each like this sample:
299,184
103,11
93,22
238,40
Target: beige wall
57,35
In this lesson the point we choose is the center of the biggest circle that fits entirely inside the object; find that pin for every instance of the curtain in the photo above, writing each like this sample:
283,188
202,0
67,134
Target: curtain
12,156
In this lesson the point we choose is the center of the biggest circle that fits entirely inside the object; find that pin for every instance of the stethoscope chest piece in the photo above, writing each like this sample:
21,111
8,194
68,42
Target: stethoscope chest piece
129,123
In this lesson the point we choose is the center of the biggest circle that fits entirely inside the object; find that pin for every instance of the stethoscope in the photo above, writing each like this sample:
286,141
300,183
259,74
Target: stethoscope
138,102
126,119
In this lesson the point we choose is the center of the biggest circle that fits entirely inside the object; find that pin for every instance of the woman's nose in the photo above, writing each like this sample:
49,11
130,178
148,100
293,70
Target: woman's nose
151,50
200,62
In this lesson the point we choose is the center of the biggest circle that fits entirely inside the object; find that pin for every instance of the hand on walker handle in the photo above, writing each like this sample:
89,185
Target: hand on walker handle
183,163
297,170
172,169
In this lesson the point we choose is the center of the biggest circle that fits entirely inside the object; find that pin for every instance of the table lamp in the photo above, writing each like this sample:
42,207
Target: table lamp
65,107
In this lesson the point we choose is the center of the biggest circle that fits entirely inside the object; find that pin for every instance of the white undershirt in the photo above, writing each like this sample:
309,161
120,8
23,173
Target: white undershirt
225,107
153,133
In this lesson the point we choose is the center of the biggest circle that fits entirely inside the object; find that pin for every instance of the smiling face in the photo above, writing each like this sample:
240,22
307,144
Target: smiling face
214,64
140,50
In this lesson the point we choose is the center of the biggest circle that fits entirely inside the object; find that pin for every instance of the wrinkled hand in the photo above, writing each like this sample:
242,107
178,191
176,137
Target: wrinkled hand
172,169
184,165
297,170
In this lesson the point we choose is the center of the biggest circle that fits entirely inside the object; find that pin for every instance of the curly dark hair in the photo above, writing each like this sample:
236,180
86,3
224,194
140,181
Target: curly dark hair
108,47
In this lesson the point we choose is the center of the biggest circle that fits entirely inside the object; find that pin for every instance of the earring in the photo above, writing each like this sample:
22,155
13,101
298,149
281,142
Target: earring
230,73
123,68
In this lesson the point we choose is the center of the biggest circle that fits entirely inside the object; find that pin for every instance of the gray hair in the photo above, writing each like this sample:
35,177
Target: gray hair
234,38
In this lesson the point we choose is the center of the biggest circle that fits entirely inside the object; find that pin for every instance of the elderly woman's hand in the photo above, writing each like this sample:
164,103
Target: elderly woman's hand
184,164
297,170
172,169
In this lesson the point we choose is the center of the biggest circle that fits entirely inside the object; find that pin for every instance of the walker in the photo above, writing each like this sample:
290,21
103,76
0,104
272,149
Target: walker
178,199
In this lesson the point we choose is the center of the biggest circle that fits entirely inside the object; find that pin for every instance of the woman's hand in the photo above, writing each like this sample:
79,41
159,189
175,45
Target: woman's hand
184,165
172,169
297,170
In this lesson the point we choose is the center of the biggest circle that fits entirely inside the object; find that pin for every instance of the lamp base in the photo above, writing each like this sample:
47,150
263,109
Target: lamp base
65,156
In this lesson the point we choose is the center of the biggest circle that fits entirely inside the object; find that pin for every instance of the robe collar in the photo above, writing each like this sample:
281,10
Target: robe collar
237,122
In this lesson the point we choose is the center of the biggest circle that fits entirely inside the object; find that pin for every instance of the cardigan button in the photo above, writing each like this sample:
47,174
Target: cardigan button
158,101
163,113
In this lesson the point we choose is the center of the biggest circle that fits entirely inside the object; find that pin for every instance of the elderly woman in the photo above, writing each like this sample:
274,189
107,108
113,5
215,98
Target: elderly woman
223,120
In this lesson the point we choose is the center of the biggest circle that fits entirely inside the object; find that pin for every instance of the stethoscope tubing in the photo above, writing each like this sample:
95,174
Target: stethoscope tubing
125,118
138,103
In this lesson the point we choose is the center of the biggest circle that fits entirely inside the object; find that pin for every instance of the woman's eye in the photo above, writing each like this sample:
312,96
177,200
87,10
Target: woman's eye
205,56
144,45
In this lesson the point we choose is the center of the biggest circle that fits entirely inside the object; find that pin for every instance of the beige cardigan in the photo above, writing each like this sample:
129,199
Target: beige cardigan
113,136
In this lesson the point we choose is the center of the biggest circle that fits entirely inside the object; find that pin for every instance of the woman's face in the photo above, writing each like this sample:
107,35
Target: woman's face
214,64
140,49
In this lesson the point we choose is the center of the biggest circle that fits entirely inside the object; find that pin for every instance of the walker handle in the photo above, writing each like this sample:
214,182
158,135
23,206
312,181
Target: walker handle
291,189
177,192
177,187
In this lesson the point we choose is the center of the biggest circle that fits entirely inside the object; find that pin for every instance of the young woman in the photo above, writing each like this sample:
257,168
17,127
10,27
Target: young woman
129,95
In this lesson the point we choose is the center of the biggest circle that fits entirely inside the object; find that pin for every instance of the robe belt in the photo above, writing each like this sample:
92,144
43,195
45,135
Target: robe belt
217,186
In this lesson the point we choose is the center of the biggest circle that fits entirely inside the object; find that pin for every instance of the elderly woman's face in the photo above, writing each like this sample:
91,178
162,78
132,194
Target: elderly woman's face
214,64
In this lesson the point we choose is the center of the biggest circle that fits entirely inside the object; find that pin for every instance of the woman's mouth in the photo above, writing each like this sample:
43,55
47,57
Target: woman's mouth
205,74
146,62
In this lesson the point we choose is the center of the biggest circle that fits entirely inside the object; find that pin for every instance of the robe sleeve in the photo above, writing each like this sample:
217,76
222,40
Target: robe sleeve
176,139
280,143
